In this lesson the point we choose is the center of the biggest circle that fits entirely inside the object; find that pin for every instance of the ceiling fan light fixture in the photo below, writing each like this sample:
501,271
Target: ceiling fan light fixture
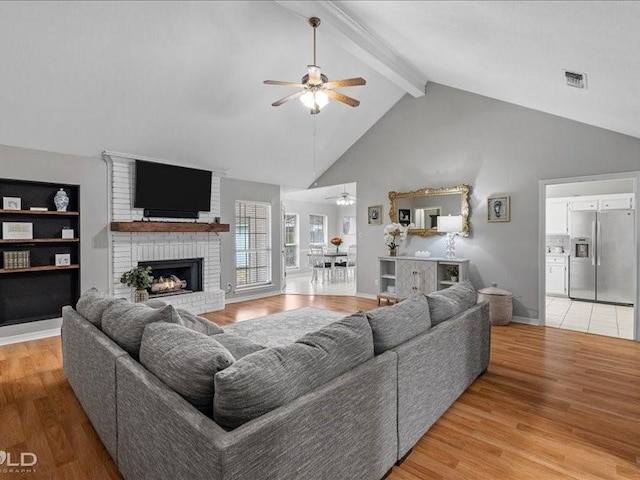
315,99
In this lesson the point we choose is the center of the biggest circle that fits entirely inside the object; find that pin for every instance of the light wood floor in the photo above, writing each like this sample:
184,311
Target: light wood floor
553,404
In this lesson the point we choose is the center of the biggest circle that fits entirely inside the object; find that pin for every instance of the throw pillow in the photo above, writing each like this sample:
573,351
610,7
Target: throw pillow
237,345
197,323
155,303
124,323
395,324
451,301
185,360
93,303
270,378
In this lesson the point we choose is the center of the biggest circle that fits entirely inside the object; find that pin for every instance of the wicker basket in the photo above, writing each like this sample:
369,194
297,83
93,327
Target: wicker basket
500,304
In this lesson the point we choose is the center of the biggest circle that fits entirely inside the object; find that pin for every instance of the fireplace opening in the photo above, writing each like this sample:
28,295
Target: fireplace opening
175,277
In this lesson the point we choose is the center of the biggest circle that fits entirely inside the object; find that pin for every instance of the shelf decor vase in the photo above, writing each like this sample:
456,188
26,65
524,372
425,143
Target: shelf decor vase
140,296
454,279
392,252
61,200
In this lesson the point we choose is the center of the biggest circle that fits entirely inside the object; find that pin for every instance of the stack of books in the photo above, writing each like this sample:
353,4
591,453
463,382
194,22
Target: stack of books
17,259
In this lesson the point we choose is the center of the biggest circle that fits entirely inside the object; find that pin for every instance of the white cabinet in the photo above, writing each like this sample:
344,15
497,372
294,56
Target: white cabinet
584,204
404,276
557,217
557,275
617,203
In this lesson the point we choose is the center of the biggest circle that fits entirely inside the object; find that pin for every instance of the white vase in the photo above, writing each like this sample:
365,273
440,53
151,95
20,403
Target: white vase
61,200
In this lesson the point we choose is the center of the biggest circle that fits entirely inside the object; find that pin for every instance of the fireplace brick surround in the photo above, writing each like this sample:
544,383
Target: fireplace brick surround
127,249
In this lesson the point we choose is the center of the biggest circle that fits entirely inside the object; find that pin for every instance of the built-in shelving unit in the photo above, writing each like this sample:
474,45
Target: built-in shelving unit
39,290
164,227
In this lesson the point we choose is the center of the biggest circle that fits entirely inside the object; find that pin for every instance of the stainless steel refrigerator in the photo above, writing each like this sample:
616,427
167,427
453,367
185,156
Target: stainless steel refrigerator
602,256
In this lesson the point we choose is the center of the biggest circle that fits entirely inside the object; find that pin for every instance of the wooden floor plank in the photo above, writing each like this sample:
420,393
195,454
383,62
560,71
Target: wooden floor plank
554,404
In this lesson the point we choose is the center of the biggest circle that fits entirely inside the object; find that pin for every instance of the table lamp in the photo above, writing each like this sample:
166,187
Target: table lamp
451,225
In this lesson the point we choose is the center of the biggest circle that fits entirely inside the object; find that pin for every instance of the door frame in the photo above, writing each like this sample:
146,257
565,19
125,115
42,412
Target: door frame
542,208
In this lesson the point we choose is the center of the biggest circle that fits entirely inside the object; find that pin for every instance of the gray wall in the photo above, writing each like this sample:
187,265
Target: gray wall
230,191
334,215
450,137
91,175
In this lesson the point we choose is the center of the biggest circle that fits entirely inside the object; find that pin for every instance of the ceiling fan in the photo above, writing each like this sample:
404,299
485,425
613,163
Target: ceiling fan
315,87
343,199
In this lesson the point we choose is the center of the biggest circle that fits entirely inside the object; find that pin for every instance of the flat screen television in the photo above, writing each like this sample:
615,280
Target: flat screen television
171,191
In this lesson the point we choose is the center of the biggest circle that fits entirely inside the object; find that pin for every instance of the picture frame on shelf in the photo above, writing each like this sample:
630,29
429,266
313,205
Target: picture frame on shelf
374,215
499,208
68,233
404,216
63,259
17,230
11,203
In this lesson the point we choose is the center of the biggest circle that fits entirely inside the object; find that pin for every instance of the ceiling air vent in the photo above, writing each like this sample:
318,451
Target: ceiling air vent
575,79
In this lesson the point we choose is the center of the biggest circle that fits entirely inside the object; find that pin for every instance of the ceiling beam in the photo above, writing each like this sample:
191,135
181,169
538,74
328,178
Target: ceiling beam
361,43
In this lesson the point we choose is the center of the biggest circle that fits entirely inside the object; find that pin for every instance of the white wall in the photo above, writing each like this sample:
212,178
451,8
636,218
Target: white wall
91,175
450,137
230,191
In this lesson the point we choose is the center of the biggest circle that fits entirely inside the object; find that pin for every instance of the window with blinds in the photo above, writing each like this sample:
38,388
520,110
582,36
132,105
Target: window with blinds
253,244
291,235
317,228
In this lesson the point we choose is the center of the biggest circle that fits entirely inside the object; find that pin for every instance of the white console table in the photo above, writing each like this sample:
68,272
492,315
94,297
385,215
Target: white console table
404,276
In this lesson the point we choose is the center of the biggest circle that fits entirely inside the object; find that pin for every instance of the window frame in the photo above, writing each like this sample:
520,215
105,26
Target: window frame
268,250
296,244
325,228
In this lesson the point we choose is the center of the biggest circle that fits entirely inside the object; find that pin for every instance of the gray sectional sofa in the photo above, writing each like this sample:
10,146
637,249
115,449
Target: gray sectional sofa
346,399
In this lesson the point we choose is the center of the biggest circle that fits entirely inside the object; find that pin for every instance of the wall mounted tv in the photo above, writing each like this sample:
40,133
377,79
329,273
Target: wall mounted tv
171,191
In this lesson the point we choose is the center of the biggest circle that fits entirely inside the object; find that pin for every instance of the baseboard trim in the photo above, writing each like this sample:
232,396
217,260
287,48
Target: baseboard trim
257,296
27,337
526,320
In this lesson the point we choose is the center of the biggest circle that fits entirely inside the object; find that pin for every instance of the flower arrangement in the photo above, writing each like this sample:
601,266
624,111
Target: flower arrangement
337,241
395,234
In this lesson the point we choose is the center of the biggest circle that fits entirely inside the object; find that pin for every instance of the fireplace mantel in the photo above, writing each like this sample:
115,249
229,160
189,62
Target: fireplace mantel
147,227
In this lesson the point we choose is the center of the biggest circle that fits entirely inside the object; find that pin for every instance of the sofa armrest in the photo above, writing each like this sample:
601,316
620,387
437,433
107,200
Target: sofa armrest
436,367
346,429
89,363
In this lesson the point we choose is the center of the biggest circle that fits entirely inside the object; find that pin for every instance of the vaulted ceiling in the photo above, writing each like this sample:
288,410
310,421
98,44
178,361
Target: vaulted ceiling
182,81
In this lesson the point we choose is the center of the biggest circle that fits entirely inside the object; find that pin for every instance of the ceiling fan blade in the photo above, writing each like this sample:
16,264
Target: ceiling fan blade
284,84
348,82
352,102
287,98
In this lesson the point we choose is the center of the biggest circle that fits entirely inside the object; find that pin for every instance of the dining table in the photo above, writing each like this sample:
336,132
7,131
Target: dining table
332,256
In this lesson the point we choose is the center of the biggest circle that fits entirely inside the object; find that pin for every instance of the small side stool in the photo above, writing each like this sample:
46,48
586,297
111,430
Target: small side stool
500,304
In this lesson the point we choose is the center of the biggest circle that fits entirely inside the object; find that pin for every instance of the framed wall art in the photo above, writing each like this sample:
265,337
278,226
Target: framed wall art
374,215
499,208
11,203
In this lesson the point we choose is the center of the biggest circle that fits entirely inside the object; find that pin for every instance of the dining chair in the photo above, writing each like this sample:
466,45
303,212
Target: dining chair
348,266
317,260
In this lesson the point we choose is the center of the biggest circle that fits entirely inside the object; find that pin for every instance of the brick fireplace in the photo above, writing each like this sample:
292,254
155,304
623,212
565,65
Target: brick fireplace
130,249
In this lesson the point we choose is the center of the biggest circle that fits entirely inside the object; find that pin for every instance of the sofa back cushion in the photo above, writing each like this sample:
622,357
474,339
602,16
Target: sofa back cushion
270,378
238,346
185,360
199,324
451,301
124,323
93,303
395,324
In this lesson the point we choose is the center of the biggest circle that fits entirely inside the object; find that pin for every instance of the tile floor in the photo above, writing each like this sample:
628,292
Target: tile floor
301,284
598,318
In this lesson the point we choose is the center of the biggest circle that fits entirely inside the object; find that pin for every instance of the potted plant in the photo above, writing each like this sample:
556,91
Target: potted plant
140,279
453,273
337,241
394,234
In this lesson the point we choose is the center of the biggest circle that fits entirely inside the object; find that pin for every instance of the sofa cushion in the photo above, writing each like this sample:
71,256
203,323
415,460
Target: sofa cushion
199,324
124,323
238,346
265,380
451,301
185,360
395,324
155,303
93,303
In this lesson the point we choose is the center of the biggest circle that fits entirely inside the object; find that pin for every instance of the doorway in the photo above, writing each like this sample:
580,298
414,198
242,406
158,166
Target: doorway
314,218
589,255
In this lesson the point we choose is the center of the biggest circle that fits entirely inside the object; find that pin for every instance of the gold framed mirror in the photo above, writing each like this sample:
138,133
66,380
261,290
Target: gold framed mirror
422,207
